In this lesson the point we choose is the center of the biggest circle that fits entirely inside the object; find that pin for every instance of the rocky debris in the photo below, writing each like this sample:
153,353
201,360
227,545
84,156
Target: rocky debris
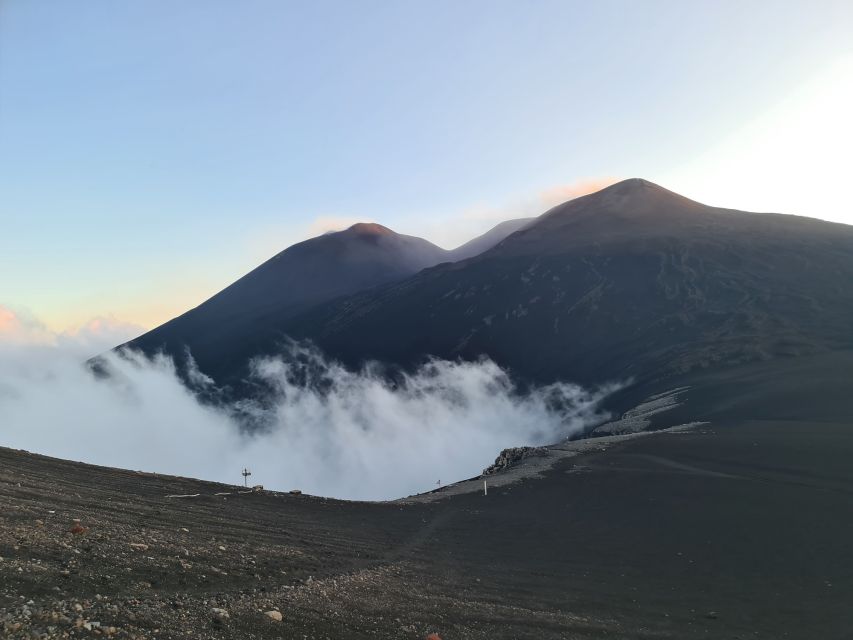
511,457
76,527
149,567
639,418
296,492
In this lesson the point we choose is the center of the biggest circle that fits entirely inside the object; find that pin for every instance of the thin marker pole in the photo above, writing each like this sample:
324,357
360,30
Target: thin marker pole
485,487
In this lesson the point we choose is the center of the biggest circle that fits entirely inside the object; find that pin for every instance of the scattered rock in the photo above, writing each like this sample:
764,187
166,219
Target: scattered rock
273,615
511,457
76,527
139,546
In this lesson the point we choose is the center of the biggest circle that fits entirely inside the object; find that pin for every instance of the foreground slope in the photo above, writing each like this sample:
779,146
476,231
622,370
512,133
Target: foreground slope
740,529
631,281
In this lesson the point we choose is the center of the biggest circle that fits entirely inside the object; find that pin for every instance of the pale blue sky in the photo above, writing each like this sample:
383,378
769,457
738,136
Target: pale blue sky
151,152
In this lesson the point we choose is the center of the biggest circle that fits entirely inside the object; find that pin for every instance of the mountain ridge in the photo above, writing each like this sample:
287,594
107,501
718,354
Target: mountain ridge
625,283
222,332
681,286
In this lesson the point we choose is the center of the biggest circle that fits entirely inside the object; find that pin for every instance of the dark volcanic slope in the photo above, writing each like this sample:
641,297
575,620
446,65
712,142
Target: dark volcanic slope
247,317
488,240
222,332
631,281
740,530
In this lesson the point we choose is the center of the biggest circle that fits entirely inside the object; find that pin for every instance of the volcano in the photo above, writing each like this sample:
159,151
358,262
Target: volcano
631,281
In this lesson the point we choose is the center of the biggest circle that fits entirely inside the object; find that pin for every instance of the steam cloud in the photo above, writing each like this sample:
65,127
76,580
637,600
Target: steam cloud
329,430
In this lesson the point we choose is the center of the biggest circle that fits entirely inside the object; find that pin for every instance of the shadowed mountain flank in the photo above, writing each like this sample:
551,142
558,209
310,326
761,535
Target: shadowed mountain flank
488,240
633,280
247,318
223,331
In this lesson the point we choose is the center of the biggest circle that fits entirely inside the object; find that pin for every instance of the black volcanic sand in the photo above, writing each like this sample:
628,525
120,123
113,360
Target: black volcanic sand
738,530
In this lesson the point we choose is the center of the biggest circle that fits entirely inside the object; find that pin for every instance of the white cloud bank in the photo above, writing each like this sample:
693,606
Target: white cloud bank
331,431
21,328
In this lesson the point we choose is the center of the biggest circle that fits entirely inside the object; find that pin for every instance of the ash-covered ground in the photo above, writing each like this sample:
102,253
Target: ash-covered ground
736,529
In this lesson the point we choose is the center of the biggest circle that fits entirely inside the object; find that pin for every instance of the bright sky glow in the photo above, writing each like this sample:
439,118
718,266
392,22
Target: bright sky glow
153,152
794,158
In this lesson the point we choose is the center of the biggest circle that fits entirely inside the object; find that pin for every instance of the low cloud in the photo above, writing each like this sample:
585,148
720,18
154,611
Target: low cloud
18,327
328,430
448,229
21,328
561,193
453,230
539,203
325,224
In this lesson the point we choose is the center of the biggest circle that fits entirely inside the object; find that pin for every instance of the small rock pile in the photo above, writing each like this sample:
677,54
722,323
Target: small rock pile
511,457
